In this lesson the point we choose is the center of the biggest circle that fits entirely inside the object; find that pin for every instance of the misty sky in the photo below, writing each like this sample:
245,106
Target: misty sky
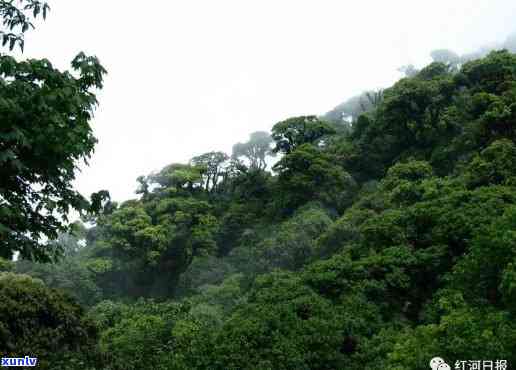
186,77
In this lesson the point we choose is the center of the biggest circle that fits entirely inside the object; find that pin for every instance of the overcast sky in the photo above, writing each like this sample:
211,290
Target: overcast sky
186,77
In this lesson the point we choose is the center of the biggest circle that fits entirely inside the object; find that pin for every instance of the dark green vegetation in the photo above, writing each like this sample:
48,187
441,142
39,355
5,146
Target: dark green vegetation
374,243
44,132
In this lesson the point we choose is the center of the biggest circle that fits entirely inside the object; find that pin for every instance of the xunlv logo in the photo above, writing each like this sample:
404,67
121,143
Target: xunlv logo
22,361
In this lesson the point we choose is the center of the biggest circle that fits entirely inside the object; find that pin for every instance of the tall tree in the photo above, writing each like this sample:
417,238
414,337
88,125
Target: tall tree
255,150
176,176
44,135
296,131
212,167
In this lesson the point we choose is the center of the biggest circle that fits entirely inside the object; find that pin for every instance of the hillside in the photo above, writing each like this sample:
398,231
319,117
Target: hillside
378,242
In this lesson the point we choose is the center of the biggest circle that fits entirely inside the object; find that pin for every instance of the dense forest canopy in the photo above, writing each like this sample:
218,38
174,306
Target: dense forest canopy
379,237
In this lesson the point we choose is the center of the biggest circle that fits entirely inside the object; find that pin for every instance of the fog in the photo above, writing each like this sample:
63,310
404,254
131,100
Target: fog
193,76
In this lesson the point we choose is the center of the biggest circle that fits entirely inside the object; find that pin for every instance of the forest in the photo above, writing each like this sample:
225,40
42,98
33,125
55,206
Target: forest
377,236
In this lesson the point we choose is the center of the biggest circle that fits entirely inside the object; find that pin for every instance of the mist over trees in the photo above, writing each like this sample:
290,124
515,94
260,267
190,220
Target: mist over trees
382,236
254,151
349,110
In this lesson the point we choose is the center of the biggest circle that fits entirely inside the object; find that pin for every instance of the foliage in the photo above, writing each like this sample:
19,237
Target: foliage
376,243
45,132
43,323
16,20
255,150
307,174
293,245
352,108
211,164
293,132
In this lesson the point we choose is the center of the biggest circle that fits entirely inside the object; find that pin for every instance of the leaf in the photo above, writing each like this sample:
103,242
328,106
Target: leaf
37,10
46,8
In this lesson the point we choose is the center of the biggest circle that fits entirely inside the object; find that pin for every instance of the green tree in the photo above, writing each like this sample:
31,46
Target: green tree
43,323
496,165
136,336
151,244
463,332
18,19
285,325
177,177
306,174
212,168
352,108
44,135
71,273
255,150
447,57
294,244
293,132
